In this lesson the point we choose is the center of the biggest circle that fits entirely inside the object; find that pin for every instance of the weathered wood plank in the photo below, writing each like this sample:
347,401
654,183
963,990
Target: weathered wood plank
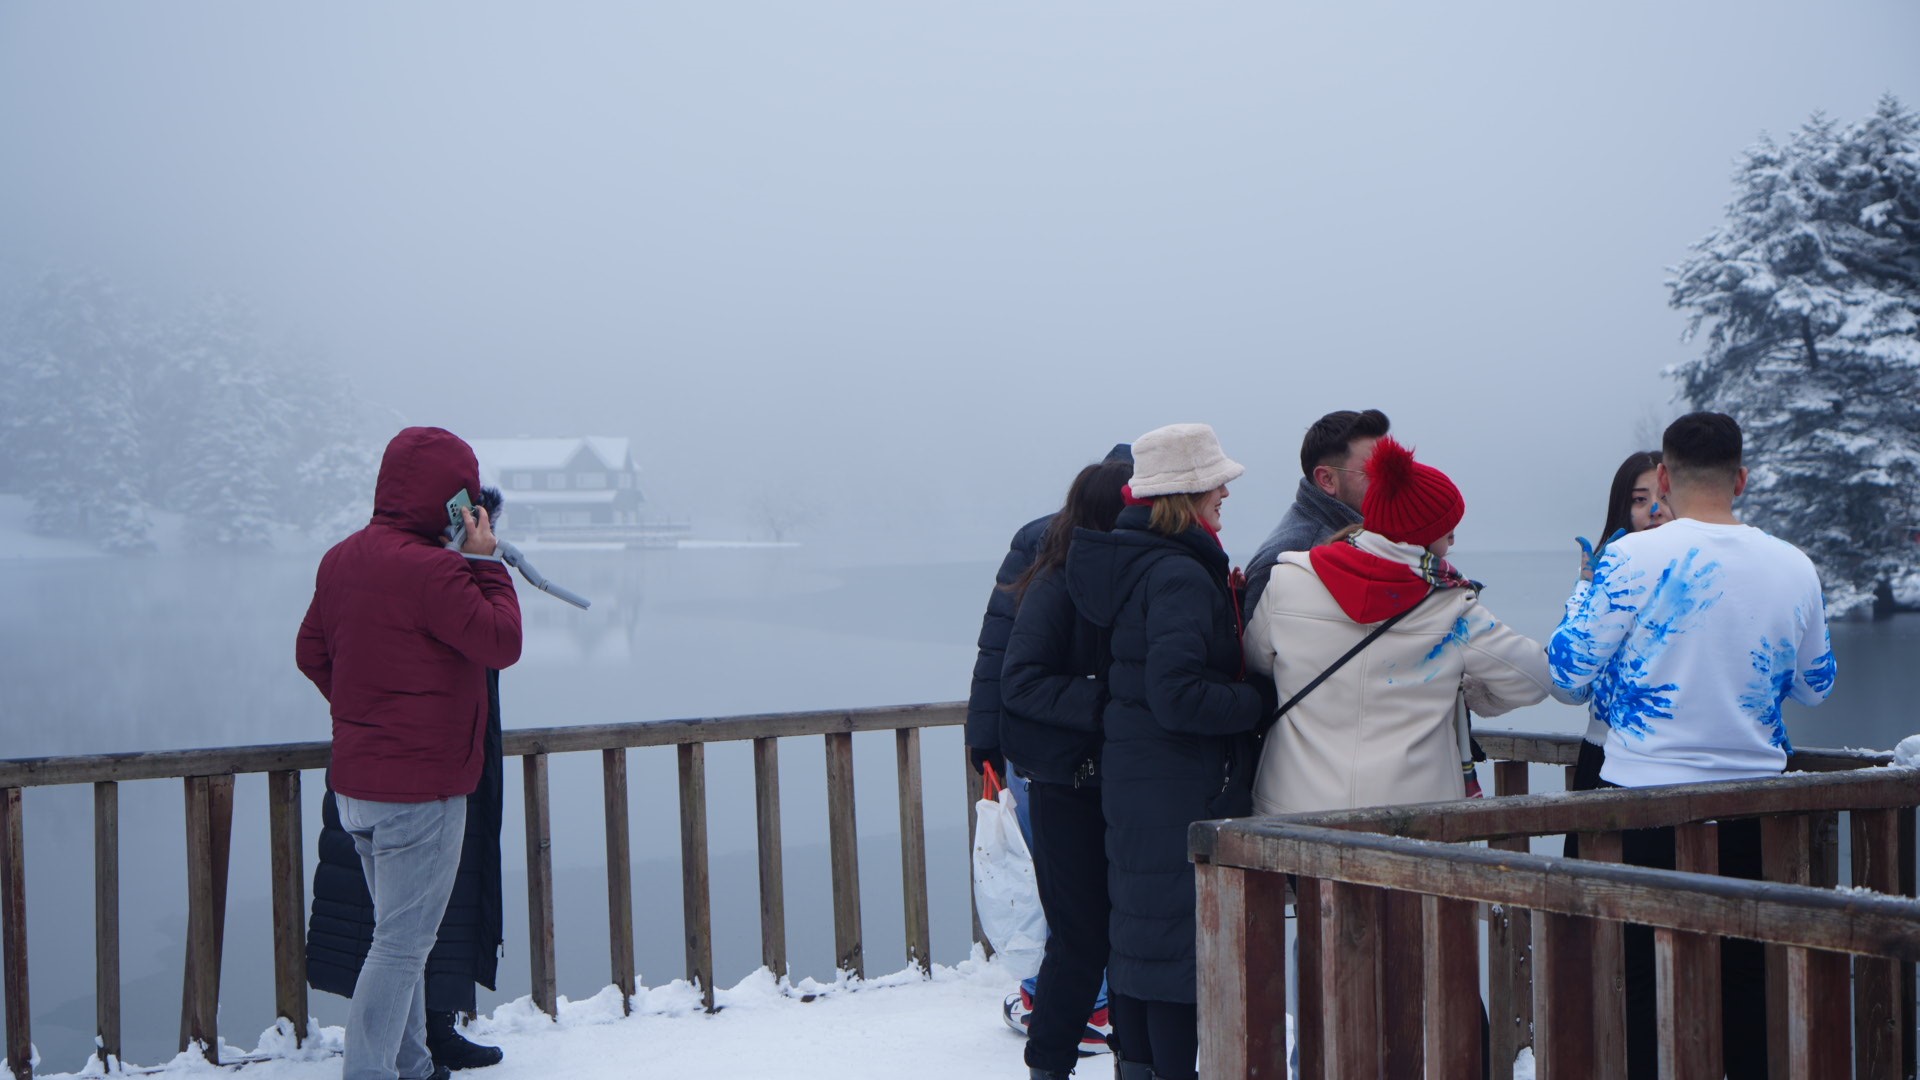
13,929
1350,917
613,791
539,822
1609,973
199,992
1242,924
695,893
1402,987
106,918
913,850
773,889
286,844
277,757
844,844
1595,811
1817,1011
1785,914
1785,856
1563,988
1687,974
1908,1018
1451,987
1877,1040
1309,1015
1510,942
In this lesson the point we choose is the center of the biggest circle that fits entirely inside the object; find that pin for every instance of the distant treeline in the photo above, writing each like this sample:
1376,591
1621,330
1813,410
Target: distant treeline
111,409
1808,299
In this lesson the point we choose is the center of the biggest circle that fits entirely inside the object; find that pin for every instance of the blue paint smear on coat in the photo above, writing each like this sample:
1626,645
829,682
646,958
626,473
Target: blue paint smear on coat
1820,676
1464,630
1771,682
1651,617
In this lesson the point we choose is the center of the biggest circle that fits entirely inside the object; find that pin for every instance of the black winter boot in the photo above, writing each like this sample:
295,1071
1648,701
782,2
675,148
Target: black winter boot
451,1050
1036,1073
1131,1070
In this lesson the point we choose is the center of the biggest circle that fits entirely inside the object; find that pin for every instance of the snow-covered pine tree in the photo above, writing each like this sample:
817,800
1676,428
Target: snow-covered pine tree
233,434
1810,297
74,421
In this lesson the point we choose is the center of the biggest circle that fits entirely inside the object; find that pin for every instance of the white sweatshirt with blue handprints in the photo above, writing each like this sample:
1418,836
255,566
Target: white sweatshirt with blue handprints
1688,640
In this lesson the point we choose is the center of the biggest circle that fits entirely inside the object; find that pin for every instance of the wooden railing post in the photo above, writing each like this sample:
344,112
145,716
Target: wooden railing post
13,928
613,783
844,842
1451,986
1786,843
773,889
1402,983
1309,1030
1687,973
913,850
539,820
1609,972
209,805
1563,996
1817,1029
1878,1043
286,842
1908,1017
106,919
1509,941
1242,924
695,899
1350,918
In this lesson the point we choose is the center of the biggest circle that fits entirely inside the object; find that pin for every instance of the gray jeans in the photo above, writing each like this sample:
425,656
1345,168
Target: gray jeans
410,853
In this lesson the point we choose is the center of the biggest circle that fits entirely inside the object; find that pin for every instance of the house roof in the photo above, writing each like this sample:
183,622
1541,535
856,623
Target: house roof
595,496
502,455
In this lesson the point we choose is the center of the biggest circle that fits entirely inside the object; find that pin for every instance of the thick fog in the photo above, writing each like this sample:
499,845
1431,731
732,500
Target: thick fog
911,265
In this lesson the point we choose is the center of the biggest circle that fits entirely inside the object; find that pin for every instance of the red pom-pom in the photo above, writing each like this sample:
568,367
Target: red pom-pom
1390,469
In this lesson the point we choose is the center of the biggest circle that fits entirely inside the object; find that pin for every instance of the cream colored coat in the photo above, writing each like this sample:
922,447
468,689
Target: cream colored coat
1381,729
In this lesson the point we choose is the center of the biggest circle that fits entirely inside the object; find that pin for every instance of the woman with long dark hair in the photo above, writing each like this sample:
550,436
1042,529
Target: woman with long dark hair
1633,505
1177,724
1052,690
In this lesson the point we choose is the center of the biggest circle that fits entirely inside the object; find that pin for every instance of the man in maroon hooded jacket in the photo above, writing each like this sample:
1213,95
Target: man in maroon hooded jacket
399,637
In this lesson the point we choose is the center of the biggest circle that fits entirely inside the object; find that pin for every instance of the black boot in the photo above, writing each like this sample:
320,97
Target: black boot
1131,1070
452,1050
1034,1072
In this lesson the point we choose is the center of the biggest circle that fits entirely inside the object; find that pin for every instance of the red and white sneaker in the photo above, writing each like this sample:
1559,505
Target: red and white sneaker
1018,1010
1093,1040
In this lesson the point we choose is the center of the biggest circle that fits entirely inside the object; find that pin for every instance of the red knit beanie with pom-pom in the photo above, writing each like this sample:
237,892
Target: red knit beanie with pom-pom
1408,502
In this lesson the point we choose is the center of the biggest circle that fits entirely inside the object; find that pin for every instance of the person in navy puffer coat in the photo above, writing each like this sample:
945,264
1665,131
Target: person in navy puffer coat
1178,726
1052,690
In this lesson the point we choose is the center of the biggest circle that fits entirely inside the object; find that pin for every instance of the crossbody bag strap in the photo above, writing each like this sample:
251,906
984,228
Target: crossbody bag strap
1336,666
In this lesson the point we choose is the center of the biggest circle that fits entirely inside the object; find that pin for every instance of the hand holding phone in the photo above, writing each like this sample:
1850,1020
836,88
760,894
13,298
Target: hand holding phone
478,528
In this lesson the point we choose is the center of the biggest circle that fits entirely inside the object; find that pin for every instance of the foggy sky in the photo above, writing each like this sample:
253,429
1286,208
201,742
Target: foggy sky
913,264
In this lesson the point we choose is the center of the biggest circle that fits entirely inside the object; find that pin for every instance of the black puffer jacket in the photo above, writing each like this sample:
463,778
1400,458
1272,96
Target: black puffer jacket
1178,743
467,951
983,702
1053,688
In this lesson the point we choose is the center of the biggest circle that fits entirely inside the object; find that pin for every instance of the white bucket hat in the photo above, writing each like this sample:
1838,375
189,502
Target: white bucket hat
1180,459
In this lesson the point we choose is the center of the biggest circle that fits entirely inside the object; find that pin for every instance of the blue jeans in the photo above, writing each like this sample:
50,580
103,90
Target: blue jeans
410,853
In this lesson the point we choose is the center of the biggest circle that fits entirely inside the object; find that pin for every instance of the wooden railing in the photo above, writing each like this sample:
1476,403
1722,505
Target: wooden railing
208,779
1410,881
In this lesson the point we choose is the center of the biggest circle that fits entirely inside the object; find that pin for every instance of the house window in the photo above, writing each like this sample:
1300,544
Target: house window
521,481
556,480
576,517
590,480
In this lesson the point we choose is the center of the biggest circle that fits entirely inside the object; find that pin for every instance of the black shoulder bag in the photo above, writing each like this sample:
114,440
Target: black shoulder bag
1267,725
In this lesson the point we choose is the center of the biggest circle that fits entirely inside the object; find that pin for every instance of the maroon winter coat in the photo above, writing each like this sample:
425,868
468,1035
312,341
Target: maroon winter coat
402,630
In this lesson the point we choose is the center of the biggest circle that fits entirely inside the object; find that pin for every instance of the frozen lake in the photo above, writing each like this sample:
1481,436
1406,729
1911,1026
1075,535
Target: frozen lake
169,652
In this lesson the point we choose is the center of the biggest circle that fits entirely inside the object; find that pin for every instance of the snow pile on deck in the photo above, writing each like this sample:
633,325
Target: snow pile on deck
945,1028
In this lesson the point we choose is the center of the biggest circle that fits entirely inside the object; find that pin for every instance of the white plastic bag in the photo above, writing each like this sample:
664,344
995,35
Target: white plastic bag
1003,885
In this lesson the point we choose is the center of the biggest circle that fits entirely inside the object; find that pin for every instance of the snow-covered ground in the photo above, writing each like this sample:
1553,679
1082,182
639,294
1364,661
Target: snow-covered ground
945,1028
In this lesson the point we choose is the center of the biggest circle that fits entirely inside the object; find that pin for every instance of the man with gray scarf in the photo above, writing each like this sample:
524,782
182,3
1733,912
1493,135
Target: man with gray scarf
1334,480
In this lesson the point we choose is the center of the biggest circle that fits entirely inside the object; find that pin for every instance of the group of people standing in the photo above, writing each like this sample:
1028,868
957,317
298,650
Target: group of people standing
1135,682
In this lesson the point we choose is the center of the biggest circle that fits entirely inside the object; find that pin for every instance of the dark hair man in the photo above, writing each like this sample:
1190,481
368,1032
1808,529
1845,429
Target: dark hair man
1688,640
1333,480
398,639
